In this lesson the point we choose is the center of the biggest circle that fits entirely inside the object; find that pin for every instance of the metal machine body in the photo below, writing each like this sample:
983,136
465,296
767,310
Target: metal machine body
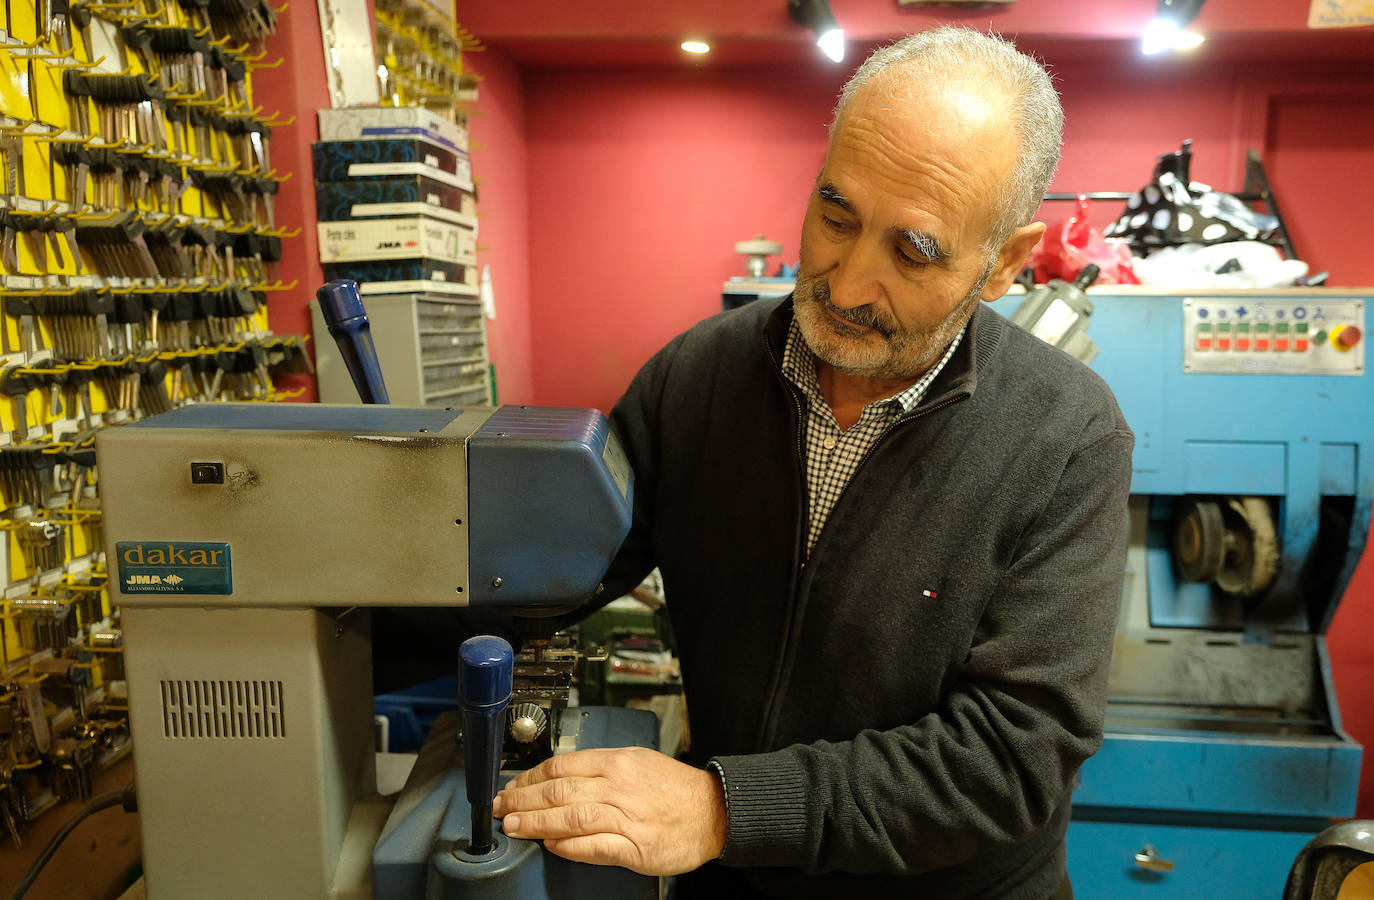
1224,751
246,543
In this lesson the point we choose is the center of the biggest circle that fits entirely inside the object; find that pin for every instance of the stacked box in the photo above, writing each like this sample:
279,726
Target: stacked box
402,195
389,122
397,214
389,255
346,160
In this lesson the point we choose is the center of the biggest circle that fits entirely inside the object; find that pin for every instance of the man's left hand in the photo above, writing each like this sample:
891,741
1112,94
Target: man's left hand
630,807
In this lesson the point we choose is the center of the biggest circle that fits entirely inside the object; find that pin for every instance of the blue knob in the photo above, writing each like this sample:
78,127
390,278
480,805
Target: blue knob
485,671
484,678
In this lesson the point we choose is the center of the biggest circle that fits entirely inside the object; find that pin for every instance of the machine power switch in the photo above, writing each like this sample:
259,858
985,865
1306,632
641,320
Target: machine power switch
1345,337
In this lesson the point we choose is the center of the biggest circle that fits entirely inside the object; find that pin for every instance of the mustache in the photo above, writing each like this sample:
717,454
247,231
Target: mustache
867,316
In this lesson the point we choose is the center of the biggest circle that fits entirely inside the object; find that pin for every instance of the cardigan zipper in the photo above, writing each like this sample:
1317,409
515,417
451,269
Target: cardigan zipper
792,627
794,570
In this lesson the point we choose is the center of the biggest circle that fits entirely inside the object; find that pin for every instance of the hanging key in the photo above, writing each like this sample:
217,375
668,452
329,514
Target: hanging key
16,385
78,96
154,390
49,378
79,383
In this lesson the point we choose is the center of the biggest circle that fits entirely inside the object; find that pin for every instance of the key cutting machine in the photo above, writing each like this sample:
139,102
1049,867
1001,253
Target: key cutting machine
247,543
1251,499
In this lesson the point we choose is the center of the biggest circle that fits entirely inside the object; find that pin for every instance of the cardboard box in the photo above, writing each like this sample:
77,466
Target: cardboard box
409,270
448,288
401,195
388,122
345,160
421,237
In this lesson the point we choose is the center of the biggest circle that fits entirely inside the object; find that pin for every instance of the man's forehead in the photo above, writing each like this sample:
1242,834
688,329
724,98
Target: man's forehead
937,157
969,114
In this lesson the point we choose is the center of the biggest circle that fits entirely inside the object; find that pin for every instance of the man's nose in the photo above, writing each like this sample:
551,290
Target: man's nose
857,279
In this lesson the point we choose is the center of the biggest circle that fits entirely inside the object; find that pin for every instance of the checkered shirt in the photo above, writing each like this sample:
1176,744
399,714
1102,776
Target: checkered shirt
832,455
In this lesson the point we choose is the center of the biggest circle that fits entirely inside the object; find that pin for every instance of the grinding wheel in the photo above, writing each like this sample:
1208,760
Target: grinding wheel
1252,547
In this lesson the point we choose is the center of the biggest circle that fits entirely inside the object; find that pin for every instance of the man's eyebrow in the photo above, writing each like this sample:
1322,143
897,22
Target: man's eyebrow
829,194
926,245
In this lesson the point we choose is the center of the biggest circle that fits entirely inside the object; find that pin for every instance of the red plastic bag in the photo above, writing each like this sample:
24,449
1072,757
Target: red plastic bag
1070,245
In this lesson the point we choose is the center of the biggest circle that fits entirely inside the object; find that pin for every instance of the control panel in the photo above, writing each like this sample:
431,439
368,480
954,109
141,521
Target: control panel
1273,336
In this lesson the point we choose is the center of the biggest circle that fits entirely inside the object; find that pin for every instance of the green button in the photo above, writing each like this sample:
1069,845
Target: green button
1243,327
1319,337
1301,327
1281,328
1204,326
1262,327
1224,326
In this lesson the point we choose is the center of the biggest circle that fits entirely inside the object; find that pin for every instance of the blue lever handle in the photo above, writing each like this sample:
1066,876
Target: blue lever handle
342,308
486,667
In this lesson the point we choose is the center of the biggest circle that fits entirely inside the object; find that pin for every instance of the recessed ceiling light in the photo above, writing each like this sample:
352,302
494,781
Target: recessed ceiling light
696,46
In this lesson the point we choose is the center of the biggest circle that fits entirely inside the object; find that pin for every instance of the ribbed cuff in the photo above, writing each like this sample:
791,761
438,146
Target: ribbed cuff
765,807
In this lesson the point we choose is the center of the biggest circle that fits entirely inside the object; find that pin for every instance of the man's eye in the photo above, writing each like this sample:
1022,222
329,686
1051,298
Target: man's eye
914,262
833,224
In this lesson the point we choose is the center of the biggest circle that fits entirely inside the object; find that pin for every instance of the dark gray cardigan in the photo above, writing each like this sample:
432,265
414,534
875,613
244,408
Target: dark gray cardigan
904,714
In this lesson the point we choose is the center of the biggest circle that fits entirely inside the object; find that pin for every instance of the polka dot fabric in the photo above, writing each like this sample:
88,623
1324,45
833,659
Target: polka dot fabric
1169,212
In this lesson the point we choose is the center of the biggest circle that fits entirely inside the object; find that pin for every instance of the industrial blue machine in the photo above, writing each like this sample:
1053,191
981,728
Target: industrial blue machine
1251,501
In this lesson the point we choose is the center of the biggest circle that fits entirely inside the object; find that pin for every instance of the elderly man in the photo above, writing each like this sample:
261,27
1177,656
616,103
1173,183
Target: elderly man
891,527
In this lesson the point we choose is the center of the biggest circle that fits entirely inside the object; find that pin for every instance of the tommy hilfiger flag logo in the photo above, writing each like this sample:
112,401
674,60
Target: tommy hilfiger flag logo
931,594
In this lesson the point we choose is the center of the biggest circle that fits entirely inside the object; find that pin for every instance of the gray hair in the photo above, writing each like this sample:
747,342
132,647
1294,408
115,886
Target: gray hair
949,53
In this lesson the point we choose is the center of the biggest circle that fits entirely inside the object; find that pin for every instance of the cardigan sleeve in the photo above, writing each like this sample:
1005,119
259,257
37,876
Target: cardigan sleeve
997,758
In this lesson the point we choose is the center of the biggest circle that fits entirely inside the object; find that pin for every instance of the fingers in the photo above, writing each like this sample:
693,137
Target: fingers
577,820
580,763
546,794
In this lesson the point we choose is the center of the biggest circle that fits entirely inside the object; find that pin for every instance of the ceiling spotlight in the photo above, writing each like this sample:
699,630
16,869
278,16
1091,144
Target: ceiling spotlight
696,46
1165,31
816,15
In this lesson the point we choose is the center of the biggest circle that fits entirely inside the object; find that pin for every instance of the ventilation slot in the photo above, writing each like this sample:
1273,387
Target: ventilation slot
223,709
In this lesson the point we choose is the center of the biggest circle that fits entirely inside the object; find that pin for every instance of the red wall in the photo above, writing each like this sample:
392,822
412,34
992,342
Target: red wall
500,170
297,88
641,180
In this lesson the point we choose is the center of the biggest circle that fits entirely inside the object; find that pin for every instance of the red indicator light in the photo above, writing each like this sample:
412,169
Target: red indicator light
1242,343
1300,345
1204,343
1281,344
1261,344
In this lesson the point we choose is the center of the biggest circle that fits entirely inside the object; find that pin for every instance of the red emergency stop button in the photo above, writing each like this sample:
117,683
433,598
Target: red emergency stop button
1345,337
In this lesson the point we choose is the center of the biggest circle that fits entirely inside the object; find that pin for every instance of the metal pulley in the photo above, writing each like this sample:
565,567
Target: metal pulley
1230,542
758,249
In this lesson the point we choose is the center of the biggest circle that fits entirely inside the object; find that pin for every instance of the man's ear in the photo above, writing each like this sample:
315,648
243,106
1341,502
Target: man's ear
1011,259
